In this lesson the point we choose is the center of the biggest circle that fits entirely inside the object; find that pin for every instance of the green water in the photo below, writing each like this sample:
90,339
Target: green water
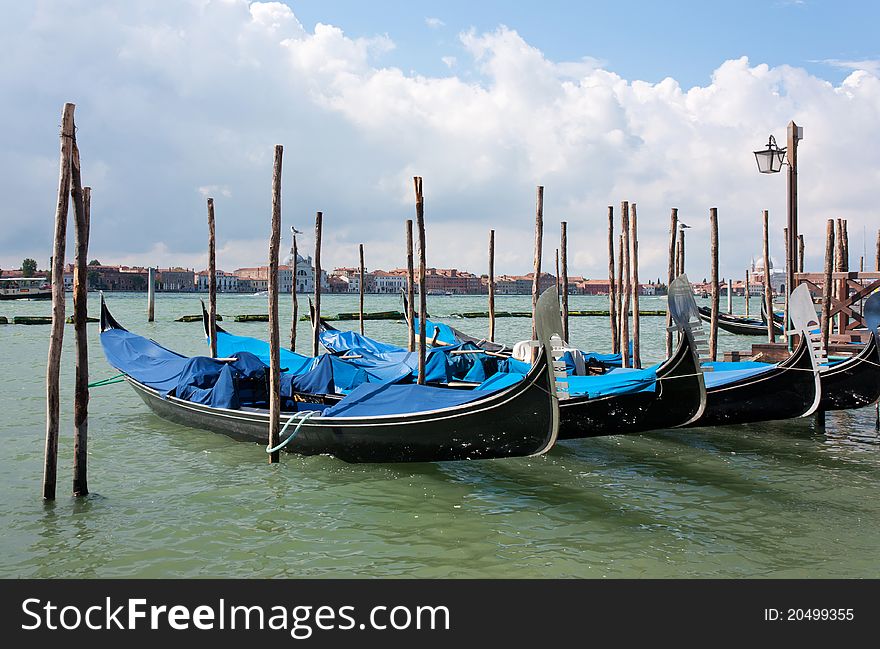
764,500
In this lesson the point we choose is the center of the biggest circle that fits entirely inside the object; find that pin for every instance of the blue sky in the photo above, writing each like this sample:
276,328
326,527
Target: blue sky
658,103
684,39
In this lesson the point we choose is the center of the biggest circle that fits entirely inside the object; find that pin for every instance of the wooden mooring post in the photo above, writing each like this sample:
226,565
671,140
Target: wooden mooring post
212,280
151,294
82,201
877,254
491,286
53,365
536,277
634,265
361,284
768,290
410,287
800,258
713,324
670,274
319,218
748,292
827,291
788,289
563,258
423,300
624,284
612,285
274,334
294,253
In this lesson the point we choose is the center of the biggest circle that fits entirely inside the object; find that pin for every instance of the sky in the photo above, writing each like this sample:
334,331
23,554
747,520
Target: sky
656,103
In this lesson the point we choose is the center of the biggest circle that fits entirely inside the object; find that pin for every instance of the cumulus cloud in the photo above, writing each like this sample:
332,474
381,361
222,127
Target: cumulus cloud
434,23
196,95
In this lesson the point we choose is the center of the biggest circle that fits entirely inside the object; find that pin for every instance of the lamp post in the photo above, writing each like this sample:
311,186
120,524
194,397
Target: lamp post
770,161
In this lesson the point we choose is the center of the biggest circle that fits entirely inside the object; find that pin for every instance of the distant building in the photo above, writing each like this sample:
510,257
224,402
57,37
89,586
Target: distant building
181,280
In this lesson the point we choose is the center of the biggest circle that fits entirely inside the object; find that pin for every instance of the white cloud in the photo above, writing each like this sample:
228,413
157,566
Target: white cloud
868,65
434,23
449,61
195,96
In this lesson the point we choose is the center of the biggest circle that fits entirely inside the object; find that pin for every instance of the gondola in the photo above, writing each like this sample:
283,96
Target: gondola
740,325
627,400
622,401
855,382
752,392
677,399
520,420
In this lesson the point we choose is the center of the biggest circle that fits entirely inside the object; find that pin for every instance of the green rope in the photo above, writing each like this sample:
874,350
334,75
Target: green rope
108,381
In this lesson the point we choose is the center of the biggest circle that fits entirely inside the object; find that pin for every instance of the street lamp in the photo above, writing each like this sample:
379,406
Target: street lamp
770,160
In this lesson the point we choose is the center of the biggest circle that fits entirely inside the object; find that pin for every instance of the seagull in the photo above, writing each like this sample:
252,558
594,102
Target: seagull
682,226
294,230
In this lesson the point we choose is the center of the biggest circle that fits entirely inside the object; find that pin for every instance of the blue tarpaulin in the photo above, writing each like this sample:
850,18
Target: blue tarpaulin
143,360
229,345
723,377
341,341
371,400
618,381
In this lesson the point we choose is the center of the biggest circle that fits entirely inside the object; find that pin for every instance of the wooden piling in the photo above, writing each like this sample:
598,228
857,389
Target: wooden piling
671,273
295,305
827,289
729,296
713,324
618,324
423,300
612,284
212,280
681,270
625,284
840,286
800,259
410,287
361,283
151,294
491,286
768,291
788,290
563,252
82,201
274,334
536,277
319,219
877,254
748,292
53,365
634,264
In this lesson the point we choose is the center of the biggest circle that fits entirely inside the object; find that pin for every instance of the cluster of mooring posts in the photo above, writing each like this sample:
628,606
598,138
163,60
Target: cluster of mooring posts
70,189
838,290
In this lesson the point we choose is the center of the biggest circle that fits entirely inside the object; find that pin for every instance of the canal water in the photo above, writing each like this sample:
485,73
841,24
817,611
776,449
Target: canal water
762,500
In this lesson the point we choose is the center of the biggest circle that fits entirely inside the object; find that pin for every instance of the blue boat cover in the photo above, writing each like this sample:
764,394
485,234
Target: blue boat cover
142,359
228,346
371,400
501,380
614,382
726,376
341,341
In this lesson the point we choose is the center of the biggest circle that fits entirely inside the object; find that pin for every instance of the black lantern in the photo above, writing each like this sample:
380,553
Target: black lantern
771,159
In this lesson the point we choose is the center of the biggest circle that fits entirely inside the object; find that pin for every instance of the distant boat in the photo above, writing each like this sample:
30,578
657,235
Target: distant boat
260,294
25,288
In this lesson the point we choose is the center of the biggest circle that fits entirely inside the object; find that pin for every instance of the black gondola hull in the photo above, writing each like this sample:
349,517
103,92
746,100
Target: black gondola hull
519,421
789,390
739,326
854,383
679,398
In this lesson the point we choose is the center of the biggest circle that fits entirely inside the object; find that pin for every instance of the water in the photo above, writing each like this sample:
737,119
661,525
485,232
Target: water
762,500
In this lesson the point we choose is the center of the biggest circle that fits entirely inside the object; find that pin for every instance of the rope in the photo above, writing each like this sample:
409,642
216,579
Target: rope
301,418
108,381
